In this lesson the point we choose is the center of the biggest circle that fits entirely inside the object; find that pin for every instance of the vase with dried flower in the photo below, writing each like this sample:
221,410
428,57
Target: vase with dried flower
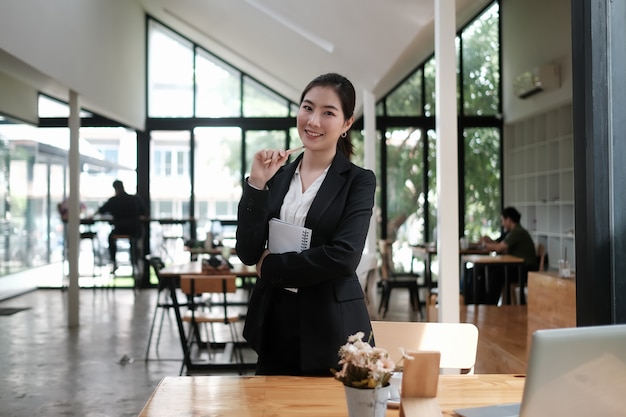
365,374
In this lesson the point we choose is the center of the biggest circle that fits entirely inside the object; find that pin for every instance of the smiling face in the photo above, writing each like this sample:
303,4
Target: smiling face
321,120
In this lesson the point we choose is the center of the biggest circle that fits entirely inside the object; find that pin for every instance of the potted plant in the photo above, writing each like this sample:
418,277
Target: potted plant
365,373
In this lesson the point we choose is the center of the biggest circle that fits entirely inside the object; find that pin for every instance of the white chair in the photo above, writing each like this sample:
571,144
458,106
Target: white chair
457,342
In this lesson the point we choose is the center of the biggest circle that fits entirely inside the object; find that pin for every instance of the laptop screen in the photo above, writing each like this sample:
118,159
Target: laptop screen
574,372
578,371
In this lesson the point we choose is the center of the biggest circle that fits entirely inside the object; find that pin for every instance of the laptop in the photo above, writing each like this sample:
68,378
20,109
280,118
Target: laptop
574,372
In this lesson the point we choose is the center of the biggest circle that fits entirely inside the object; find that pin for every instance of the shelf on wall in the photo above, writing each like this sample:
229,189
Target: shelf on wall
540,178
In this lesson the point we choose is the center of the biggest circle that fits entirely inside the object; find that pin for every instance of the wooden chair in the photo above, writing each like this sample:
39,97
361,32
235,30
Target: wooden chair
195,285
542,256
457,342
542,259
391,279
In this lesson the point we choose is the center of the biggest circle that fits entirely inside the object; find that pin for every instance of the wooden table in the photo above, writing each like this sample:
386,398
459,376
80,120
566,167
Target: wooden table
307,396
195,268
426,253
170,275
195,251
485,261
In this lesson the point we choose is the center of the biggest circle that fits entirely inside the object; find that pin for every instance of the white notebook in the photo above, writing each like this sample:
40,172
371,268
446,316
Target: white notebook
286,237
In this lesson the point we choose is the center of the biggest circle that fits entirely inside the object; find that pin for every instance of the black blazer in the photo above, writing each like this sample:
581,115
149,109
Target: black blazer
331,300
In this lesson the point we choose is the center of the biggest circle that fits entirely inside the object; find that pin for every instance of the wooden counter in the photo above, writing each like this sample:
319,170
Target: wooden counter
551,302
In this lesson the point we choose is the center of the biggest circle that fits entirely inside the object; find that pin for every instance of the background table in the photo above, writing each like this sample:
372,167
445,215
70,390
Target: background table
426,252
307,396
485,261
170,276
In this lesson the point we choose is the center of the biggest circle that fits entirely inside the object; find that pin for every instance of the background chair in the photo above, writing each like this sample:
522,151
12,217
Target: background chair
124,242
163,302
391,279
542,261
211,313
457,342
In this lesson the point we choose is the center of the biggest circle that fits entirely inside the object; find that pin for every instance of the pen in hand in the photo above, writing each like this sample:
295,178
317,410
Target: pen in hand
287,153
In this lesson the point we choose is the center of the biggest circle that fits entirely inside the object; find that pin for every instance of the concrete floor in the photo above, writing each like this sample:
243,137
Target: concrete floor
96,369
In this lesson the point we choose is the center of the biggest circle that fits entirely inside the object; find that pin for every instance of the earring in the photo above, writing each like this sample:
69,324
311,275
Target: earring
344,134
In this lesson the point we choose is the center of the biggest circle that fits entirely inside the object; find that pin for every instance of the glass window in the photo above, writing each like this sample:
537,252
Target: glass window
170,176
406,99
217,174
116,149
482,182
380,109
294,138
293,109
170,73
481,64
405,185
358,141
218,87
429,85
33,162
432,185
49,107
259,101
480,84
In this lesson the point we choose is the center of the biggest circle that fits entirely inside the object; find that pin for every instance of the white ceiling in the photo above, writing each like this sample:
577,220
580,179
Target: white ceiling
286,43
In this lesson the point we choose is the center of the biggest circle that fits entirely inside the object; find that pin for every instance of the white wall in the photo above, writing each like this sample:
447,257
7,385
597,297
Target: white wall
17,99
93,47
535,32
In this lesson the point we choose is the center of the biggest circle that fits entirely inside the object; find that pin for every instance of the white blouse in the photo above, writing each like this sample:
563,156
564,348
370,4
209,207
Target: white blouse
296,204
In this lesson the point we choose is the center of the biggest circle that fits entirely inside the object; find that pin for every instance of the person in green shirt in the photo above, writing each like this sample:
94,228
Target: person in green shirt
514,241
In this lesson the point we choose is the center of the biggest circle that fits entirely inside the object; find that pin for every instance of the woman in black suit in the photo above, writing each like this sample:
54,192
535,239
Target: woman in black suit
305,305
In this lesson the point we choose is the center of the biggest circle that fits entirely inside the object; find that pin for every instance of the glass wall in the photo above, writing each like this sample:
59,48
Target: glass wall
34,183
206,119
407,112
406,116
231,117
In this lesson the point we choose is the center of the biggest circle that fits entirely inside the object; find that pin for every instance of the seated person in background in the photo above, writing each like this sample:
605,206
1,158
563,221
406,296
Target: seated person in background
127,212
515,241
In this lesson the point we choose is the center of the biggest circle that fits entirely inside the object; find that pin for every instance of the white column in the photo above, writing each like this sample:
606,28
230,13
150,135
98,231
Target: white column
447,161
73,223
369,150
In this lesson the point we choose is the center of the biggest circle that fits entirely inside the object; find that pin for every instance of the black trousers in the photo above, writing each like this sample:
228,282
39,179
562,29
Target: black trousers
280,351
136,245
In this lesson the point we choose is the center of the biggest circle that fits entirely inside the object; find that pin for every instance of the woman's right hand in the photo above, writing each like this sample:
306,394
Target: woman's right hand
259,264
264,165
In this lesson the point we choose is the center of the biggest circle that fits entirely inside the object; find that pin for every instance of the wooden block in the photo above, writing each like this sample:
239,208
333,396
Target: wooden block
419,385
421,374
420,407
